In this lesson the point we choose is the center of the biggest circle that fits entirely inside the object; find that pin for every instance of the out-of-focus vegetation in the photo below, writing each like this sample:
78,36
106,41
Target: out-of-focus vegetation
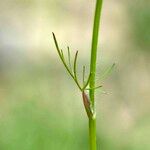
40,107
140,22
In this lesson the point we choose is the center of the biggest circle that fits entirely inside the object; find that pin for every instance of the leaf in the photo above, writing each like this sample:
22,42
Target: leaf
107,72
87,82
75,65
83,75
97,87
69,59
68,67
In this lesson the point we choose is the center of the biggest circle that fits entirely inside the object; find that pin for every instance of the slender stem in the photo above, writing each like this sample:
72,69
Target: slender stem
92,121
92,133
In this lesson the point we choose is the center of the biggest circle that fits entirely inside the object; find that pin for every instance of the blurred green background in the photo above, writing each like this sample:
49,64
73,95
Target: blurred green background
41,107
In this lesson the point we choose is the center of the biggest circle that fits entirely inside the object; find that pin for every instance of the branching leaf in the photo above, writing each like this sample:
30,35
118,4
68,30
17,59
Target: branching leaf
69,67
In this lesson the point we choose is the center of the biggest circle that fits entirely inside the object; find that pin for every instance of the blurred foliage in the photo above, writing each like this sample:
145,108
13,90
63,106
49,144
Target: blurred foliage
139,16
40,106
37,115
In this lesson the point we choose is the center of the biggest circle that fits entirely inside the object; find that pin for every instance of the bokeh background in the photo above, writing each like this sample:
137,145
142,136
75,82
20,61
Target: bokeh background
41,107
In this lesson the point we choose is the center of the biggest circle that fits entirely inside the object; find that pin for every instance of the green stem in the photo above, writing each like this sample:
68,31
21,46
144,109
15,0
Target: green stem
92,133
92,121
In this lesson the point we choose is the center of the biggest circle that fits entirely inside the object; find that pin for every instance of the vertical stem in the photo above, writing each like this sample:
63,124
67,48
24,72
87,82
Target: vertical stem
92,120
92,133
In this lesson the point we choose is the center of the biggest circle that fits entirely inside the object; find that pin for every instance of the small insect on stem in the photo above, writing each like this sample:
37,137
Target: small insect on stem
87,104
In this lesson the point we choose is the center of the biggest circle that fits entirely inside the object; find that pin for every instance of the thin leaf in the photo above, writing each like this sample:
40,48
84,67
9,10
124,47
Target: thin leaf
87,82
62,55
75,65
107,72
97,87
69,58
83,75
56,44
